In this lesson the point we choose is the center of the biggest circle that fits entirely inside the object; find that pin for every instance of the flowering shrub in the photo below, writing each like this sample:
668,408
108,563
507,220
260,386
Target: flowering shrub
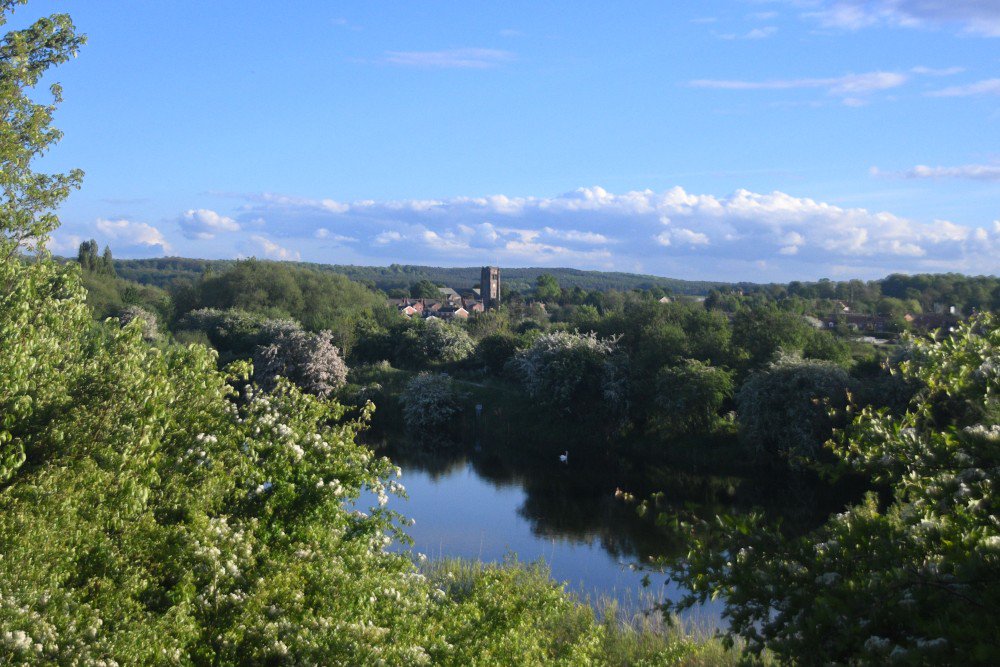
429,401
434,341
147,517
784,409
236,334
150,331
916,581
309,360
574,372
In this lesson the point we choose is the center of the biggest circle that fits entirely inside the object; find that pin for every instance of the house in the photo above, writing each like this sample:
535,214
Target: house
453,312
408,307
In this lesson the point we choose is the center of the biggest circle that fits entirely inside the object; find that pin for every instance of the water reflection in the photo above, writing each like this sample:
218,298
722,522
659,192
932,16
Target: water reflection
490,501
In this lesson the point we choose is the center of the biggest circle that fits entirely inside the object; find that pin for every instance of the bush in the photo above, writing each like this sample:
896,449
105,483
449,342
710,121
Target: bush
690,395
434,341
150,332
309,360
784,409
429,402
576,373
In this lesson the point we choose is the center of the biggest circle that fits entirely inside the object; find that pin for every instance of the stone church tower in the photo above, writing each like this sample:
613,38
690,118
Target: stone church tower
489,287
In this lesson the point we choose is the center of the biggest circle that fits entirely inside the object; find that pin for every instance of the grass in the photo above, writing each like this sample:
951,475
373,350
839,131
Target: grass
631,634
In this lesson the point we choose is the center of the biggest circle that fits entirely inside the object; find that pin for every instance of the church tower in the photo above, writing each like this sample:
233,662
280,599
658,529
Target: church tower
489,287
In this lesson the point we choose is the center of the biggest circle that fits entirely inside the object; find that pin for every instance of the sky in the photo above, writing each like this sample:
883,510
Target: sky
722,139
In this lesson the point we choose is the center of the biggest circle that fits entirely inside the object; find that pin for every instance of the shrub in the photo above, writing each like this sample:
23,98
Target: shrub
574,372
429,402
309,360
784,409
150,332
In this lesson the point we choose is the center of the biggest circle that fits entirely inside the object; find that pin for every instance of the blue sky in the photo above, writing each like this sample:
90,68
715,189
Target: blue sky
739,139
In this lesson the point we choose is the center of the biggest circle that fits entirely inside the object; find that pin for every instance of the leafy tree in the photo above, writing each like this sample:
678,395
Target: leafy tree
579,374
914,581
320,301
429,402
309,360
690,395
547,288
425,289
108,262
784,409
29,198
762,332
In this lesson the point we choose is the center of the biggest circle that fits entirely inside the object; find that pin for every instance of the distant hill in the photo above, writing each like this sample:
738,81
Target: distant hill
165,271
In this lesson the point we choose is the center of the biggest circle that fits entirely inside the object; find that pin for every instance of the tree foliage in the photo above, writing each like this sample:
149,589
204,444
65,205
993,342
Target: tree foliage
914,581
578,374
27,210
430,401
784,409
310,360
690,395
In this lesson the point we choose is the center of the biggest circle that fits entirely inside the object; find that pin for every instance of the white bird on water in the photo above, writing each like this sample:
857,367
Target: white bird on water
564,457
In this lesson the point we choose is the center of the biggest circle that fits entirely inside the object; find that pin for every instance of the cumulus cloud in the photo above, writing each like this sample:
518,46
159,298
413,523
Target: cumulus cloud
978,172
128,236
450,59
272,250
673,232
972,16
204,224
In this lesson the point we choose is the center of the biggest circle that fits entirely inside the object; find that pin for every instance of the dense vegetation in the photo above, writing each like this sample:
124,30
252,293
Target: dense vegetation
206,503
908,577
155,509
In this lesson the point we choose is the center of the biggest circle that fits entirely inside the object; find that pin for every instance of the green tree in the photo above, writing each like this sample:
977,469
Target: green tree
784,409
690,395
425,289
762,331
547,288
915,580
27,210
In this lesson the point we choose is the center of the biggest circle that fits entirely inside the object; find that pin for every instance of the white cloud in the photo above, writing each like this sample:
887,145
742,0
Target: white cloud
846,85
985,87
672,232
450,59
938,71
129,236
973,16
204,224
755,33
978,172
272,250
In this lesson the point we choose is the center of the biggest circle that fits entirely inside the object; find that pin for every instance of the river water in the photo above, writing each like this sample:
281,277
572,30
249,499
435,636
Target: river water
478,508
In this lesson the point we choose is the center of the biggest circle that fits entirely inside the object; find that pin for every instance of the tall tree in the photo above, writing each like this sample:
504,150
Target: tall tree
27,208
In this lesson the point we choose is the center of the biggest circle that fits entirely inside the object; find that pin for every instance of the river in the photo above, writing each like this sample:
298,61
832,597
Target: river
476,507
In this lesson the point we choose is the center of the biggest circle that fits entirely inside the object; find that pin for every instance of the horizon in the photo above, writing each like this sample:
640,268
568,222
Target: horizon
732,141
542,269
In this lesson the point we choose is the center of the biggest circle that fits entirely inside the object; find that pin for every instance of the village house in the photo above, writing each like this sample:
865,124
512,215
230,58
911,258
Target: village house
453,303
